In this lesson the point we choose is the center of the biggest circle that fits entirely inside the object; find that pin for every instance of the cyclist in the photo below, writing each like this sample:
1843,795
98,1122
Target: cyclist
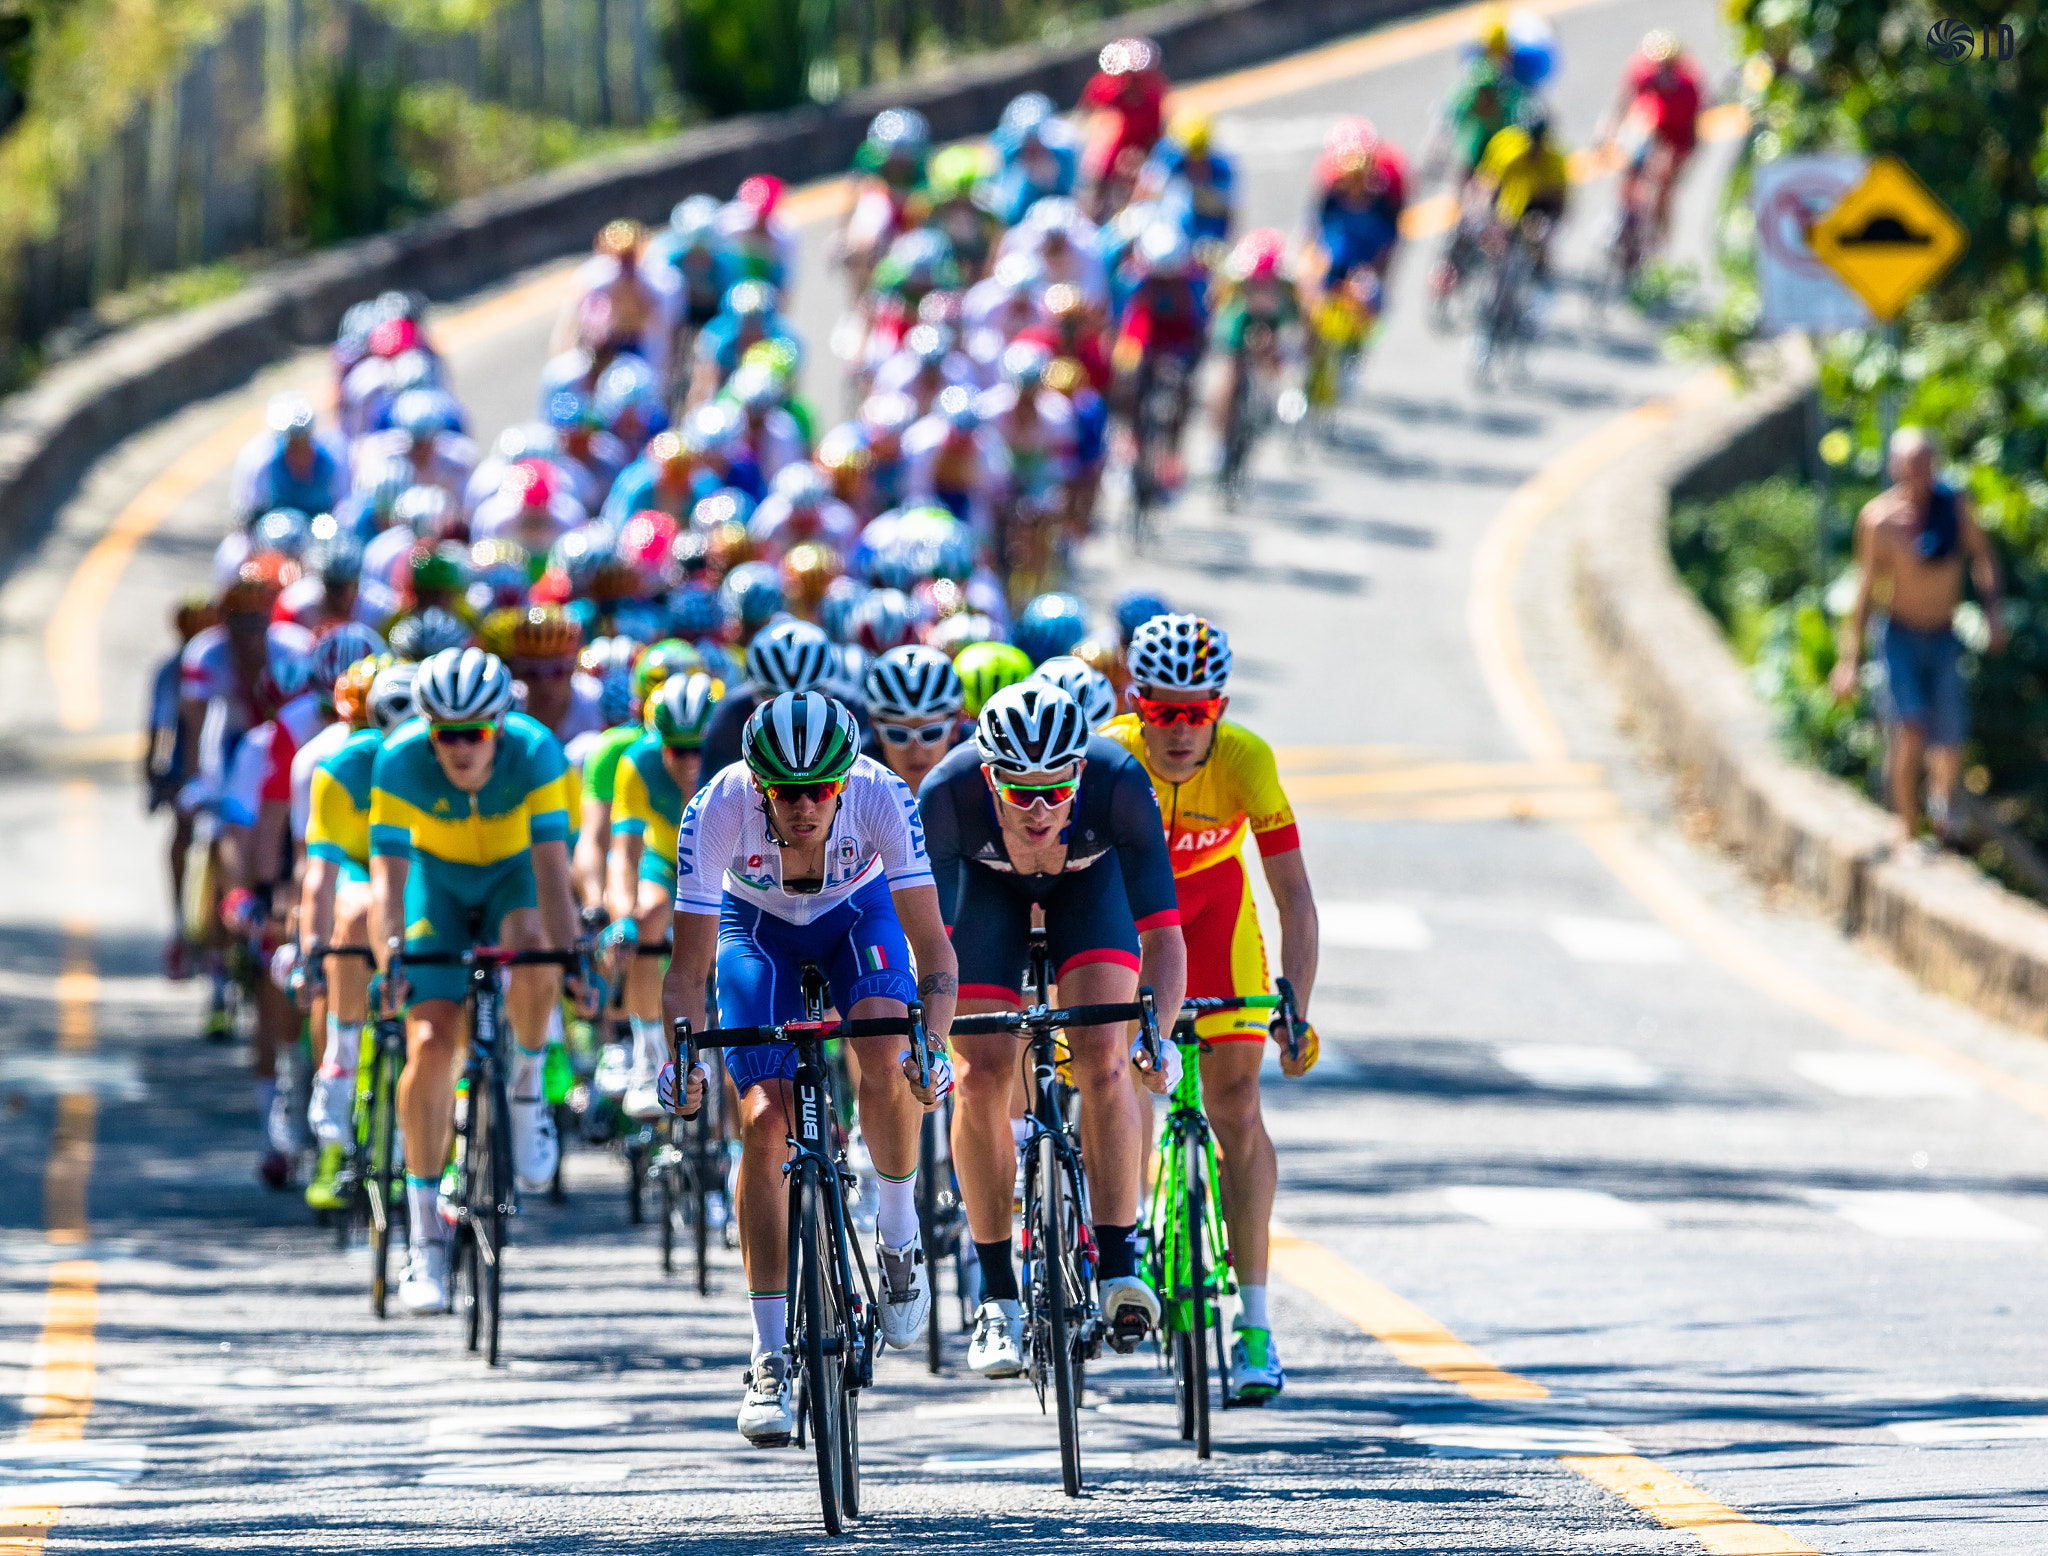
167,764
288,465
1081,681
1037,813
334,893
1523,182
1257,311
914,698
1485,102
545,644
1658,109
985,668
469,820
956,461
1216,781
809,851
600,765
657,776
790,656
1194,184
1164,319
1126,101
1039,154
1361,187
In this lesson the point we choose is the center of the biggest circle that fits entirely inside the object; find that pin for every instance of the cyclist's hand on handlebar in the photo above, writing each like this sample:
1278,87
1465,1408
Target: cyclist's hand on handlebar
693,1098
940,1072
389,992
1162,1080
1311,1048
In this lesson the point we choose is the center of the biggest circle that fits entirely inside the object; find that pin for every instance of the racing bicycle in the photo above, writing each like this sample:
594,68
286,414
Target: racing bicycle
1063,1325
834,1317
371,1178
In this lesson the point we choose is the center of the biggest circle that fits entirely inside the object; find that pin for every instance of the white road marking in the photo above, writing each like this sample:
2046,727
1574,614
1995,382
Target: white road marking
1046,1459
1912,1213
1579,1067
559,1470
1968,1431
1852,1074
64,1474
475,1428
110,1077
1272,140
1372,926
114,990
1520,1209
975,1410
1615,940
1489,1442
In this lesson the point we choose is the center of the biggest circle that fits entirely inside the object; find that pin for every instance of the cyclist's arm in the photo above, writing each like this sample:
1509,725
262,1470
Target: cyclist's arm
593,840
941,820
388,874
689,968
622,885
938,970
556,890
316,902
1300,931
1147,869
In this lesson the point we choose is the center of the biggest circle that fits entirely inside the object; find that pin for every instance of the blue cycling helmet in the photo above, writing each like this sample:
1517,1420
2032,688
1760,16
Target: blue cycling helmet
753,593
696,613
1135,607
1050,625
836,610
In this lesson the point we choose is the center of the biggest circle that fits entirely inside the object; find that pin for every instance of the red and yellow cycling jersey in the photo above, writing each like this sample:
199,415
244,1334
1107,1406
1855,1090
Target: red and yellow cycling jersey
1235,791
1207,816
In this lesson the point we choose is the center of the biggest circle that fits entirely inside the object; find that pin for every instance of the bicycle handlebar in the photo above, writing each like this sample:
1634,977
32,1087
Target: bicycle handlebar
795,1031
497,956
1016,1021
319,952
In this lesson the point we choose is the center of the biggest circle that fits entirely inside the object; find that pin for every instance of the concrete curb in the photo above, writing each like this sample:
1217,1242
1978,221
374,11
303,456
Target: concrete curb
1955,931
51,433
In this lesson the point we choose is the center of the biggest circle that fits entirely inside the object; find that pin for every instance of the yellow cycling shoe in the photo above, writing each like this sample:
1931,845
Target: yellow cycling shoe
322,1193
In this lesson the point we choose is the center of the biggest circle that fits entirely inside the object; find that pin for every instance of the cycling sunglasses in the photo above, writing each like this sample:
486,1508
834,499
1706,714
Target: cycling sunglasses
464,734
922,734
1164,715
1025,795
817,793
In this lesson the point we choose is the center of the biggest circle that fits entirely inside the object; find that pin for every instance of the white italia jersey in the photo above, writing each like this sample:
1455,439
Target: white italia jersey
723,847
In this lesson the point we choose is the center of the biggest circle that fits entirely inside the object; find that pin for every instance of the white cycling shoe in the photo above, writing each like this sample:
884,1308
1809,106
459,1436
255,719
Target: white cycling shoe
766,1419
641,1100
997,1349
906,1293
332,1109
424,1290
535,1149
1130,1308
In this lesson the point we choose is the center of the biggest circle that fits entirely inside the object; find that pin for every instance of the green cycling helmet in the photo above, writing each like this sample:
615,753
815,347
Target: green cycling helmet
800,737
986,668
671,656
680,710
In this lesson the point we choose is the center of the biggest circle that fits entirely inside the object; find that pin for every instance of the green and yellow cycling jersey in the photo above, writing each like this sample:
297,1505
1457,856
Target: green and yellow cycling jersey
648,803
415,810
1272,303
601,762
338,828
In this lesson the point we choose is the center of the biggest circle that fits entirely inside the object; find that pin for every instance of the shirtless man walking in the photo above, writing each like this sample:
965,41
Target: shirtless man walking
1913,541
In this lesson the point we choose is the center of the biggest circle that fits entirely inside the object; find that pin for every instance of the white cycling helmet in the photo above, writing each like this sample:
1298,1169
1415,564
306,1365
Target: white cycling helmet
463,686
790,656
391,701
1032,727
914,682
1081,681
1180,654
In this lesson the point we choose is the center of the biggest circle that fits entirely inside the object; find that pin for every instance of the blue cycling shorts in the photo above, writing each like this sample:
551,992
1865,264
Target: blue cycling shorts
859,946
439,898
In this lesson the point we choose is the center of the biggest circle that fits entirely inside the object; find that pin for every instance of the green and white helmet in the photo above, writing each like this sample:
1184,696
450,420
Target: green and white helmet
680,710
800,737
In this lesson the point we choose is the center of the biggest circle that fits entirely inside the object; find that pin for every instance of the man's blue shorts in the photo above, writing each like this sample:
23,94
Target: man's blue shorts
1923,675
859,946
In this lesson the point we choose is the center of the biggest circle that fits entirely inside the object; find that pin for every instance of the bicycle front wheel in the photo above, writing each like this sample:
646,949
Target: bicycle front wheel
383,1177
928,1229
822,1348
1195,1339
1058,1296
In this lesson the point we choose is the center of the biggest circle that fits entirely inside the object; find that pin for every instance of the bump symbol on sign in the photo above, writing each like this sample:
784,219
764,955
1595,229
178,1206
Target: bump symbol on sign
1889,238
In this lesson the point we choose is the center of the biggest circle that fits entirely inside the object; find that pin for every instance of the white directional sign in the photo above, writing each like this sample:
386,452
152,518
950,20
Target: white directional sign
1789,196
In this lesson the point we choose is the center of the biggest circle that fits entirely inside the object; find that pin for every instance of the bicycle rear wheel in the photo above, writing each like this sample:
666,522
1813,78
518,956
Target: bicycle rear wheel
380,1171
927,1225
1196,1336
822,1347
674,1196
1056,1296
706,1134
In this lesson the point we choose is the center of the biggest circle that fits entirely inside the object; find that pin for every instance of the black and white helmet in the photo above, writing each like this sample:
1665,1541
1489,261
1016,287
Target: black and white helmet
463,686
391,700
1084,683
914,681
789,656
1032,727
1180,654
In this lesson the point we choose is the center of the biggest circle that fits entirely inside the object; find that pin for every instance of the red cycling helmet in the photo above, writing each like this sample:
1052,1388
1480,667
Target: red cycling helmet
394,337
763,192
534,482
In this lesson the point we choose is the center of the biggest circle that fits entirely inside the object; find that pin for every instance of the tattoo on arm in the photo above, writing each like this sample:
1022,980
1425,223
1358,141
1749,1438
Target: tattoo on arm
938,983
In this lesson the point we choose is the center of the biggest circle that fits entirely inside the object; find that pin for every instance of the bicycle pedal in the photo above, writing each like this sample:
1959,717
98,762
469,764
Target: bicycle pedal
1127,1334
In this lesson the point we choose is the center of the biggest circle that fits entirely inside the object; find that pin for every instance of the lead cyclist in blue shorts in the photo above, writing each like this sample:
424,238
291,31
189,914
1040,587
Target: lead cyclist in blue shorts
1036,811
807,851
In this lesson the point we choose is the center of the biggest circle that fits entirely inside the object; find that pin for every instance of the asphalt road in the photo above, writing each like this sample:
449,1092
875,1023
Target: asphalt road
1574,1111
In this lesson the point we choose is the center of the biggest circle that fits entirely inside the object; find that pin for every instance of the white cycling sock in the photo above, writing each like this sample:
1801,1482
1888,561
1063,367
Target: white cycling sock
771,1321
1019,1128
648,1048
896,1218
343,1044
1251,1308
423,1203
526,1064
266,1099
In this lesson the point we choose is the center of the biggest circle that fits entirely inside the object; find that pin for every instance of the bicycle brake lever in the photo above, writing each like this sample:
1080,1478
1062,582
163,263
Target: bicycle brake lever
919,1046
1148,1030
1291,1015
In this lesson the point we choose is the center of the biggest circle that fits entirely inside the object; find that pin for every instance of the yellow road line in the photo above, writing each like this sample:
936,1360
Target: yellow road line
1507,805
1420,1341
1676,1504
1437,777
1295,758
60,1395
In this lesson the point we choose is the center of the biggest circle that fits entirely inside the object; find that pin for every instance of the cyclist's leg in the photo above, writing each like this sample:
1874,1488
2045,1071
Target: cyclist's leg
654,912
1230,1071
990,932
348,1007
758,983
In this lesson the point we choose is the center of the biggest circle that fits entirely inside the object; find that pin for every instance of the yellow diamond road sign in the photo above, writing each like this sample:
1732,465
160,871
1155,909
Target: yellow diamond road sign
1888,238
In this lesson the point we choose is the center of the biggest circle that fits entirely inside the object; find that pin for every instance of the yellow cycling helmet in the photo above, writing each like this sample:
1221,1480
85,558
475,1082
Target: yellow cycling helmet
1493,30
1192,133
